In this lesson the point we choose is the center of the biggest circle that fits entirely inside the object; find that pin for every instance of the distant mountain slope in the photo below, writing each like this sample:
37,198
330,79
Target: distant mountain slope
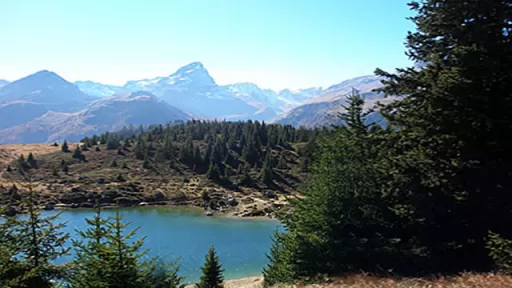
3,83
16,113
192,89
363,84
280,102
97,89
30,97
293,98
326,113
323,110
45,88
108,114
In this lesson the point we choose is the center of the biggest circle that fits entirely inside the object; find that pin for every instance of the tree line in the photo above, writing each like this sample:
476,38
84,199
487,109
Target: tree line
432,191
217,149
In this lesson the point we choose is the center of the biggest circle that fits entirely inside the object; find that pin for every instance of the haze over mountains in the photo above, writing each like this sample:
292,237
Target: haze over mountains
44,107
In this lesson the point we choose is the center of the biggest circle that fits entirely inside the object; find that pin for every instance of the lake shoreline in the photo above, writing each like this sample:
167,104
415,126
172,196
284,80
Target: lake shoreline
217,214
245,282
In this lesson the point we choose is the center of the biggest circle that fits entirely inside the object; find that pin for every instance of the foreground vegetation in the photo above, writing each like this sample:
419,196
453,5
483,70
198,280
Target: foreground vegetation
431,192
106,254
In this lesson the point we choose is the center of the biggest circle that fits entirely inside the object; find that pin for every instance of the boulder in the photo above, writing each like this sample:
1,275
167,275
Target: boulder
86,205
159,196
270,194
232,202
48,206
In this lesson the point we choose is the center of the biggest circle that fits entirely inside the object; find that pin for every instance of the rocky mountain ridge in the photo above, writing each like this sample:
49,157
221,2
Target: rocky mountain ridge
45,107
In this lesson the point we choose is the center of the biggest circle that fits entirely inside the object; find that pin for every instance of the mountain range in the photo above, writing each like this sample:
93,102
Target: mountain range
44,107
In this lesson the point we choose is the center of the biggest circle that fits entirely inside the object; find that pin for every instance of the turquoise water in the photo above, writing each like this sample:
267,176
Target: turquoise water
176,233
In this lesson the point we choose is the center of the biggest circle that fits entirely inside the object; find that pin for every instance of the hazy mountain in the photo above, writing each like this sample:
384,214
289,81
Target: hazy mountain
327,112
324,109
3,82
363,84
254,95
192,89
280,102
16,113
97,89
32,96
293,98
107,114
45,88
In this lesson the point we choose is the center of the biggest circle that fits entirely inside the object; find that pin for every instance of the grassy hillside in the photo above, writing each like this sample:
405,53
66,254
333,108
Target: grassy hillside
217,164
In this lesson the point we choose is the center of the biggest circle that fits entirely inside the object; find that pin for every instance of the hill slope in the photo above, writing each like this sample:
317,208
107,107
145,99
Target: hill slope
193,163
45,88
108,114
324,109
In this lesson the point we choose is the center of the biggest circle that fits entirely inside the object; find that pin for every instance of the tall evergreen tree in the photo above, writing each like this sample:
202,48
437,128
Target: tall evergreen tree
127,268
213,172
31,160
212,271
64,148
90,267
343,222
36,242
450,127
267,174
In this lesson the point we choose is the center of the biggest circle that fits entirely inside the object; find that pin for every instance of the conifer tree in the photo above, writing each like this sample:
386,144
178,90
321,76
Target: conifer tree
36,242
90,267
31,160
450,128
21,163
146,164
281,164
8,168
113,142
103,139
213,172
94,140
212,271
281,258
127,269
55,172
65,168
140,149
266,171
64,148
104,257
198,159
77,154
333,228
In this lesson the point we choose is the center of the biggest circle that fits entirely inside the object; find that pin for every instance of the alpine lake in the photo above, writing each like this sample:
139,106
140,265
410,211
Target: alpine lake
186,235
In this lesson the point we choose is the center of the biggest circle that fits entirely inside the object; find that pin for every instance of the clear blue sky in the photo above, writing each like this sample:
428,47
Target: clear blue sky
273,43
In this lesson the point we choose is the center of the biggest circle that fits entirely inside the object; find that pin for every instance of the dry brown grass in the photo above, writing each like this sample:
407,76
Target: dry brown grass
467,280
10,152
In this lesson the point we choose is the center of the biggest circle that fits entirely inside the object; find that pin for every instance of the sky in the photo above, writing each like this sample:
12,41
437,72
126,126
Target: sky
276,44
